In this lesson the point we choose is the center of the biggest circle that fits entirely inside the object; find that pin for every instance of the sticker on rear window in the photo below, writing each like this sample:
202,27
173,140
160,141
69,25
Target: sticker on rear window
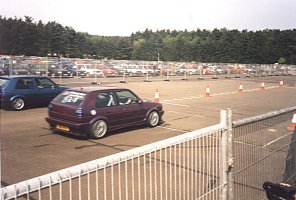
71,98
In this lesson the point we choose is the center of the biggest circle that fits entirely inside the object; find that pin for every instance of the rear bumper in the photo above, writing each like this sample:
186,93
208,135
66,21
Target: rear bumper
74,128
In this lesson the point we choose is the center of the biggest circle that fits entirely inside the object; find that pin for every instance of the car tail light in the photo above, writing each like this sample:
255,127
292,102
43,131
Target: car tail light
79,112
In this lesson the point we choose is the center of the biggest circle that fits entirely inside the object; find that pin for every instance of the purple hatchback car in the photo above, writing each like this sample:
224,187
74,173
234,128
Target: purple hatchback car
93,111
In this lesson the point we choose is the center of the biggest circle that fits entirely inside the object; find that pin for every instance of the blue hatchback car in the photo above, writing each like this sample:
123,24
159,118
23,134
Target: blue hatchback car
18,92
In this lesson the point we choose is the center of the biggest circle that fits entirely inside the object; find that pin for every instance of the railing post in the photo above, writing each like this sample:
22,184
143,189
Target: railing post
230,161
223,156
226,156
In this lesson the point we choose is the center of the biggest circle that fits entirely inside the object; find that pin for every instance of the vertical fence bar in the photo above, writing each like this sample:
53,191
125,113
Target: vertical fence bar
50,188
207,167
79,184
217,160
192,170
126,178
202,167
175,171
139,177
179,181
155,174
199,166
171,181
70,185
61,187
88,185
184,171
39,188
119,181
160,173
105,182
112,180
188,169
223,157
150,173
133,182
145,181
97,182
230,179
165,173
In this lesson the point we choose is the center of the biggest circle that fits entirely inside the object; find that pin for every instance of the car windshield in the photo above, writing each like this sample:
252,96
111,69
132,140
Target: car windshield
70,98
3,82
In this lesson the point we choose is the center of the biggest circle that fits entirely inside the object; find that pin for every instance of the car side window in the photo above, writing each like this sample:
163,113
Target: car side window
44,83
105,99
24,83
126,97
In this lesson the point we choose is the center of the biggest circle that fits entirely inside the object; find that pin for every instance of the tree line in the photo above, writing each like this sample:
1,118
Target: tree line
25,37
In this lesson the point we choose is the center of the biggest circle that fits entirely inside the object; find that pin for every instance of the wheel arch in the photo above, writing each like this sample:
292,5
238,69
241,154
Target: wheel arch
99,118
17,96
150,111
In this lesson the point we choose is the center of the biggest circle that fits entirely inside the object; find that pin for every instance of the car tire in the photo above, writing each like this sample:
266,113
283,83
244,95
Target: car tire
98,129
18,104
153,119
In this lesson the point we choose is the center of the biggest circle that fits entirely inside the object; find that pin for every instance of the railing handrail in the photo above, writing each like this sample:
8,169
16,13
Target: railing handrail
271,114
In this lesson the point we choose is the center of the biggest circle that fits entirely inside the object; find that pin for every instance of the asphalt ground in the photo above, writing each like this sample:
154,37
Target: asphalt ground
29,149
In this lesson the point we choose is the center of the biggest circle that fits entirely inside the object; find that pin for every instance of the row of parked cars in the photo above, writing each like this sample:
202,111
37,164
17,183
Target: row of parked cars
69,68
85,111
52,71
86,70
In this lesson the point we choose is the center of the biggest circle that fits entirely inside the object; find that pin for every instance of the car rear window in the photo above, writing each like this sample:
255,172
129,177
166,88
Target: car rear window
70,98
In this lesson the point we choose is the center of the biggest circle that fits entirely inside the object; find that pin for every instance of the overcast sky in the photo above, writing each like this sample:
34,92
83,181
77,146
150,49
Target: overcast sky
123,17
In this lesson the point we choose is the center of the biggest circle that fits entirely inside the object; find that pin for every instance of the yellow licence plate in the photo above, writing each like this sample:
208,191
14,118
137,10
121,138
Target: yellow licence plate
62,128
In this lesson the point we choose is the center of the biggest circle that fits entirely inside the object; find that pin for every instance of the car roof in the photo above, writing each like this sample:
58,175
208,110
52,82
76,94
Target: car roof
95,89
21,76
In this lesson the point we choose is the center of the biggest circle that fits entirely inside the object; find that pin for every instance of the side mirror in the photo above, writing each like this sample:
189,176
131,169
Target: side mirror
139,101
55,86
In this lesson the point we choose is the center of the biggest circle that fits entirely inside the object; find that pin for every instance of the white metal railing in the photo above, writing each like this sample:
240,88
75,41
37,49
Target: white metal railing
195,165
187,166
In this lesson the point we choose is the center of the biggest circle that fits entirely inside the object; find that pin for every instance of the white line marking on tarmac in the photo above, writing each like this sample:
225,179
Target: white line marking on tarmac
186,114
168,100
273,141
173,111
175,104
214,94
173,129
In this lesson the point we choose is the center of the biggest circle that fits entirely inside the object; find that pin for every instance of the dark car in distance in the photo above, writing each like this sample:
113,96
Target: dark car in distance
18,92
94,111
56,72
76,72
